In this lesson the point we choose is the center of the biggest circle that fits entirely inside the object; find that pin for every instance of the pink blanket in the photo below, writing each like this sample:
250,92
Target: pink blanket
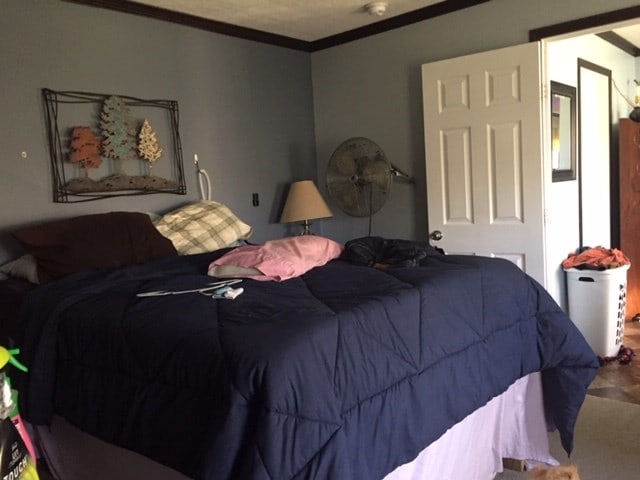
276,259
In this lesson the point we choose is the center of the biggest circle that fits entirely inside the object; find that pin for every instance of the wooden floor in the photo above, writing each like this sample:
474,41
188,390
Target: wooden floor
617,381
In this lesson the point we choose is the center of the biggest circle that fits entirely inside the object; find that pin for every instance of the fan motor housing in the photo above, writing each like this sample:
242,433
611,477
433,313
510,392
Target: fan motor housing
359,177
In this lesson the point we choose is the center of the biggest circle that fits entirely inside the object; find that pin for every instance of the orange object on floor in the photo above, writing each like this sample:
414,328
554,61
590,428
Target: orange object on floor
599,258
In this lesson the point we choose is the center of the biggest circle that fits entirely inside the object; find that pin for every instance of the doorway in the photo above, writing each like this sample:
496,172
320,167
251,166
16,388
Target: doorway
584,211
615,380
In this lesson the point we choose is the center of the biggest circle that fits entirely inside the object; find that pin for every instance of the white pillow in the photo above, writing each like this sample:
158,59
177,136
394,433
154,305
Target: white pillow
24,268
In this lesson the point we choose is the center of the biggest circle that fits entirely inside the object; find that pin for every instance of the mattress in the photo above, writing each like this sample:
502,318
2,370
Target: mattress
511,425
344,372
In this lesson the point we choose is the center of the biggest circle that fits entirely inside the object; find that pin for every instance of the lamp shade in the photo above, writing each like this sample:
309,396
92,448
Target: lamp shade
304,202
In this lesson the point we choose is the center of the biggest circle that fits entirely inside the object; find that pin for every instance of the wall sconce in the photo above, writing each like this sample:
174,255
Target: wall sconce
304,203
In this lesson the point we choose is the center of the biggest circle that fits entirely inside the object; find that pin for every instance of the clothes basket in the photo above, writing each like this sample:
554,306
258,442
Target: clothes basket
597,304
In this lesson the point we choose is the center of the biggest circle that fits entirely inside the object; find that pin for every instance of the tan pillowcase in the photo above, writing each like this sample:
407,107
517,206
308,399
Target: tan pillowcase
202,226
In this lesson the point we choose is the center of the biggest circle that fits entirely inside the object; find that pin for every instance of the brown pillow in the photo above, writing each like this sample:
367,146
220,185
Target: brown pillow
93,242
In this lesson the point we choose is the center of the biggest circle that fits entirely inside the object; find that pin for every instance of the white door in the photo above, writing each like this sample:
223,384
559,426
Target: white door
484,161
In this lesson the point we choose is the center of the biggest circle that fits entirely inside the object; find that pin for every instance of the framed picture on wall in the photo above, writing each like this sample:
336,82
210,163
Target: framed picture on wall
105,145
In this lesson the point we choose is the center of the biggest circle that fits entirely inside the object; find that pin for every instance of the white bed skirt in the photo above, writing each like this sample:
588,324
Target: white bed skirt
511,425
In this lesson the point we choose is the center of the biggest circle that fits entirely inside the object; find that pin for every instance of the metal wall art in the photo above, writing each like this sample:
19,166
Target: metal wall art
112,145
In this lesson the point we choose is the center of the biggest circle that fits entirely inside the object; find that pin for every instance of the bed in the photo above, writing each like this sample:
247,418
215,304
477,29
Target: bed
344,371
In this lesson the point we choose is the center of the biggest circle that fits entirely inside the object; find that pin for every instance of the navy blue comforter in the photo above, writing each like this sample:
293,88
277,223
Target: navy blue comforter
343,373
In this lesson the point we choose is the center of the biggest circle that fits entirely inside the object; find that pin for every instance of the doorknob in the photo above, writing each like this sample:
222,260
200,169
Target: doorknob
436,235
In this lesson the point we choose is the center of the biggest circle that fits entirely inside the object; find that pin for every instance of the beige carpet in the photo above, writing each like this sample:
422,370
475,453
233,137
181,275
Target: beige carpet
607,442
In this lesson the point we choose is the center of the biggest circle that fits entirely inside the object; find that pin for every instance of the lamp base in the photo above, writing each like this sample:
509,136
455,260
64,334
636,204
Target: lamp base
306,228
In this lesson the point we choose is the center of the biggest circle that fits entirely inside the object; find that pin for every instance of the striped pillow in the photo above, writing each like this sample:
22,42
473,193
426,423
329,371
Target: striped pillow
203,226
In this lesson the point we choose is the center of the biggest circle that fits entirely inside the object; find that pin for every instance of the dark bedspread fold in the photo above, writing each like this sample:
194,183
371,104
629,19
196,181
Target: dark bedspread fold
345,372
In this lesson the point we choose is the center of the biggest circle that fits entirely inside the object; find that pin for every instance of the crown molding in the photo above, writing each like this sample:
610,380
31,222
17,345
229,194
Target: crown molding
126,6
222,28
623,44
584,23
392,23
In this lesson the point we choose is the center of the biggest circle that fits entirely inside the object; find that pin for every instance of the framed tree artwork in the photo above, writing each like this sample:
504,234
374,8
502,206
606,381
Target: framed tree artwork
104,145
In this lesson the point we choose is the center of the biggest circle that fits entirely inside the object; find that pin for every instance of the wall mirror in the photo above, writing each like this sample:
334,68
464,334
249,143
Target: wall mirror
563,132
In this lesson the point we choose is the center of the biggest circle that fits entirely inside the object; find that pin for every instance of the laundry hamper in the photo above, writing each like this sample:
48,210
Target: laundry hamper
597,302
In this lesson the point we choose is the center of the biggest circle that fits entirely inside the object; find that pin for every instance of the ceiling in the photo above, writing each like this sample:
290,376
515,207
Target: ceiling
319,20
630,33
307,20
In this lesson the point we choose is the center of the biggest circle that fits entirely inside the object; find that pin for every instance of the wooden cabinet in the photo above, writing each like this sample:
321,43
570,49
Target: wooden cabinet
629,157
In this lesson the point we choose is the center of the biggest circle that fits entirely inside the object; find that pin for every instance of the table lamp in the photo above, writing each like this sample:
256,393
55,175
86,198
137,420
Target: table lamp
304,203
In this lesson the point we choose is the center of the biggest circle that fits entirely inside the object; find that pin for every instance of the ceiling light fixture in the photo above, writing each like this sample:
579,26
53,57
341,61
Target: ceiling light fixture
376,8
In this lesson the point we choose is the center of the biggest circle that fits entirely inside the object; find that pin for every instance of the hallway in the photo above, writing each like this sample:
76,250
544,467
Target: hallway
617,381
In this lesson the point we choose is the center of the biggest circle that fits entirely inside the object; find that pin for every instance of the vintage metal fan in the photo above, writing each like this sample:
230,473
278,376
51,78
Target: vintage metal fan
359,177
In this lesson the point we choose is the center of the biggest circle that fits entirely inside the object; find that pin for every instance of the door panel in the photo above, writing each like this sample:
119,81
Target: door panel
456,165
505,166
483,144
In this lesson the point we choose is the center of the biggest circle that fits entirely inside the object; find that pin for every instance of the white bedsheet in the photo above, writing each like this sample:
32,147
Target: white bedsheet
511,425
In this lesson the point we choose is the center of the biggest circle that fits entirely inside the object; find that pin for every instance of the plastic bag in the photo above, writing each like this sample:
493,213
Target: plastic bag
17,458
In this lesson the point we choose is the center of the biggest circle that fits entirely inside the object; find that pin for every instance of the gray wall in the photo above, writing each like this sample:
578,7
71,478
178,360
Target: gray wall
258,116
372,88
245,108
